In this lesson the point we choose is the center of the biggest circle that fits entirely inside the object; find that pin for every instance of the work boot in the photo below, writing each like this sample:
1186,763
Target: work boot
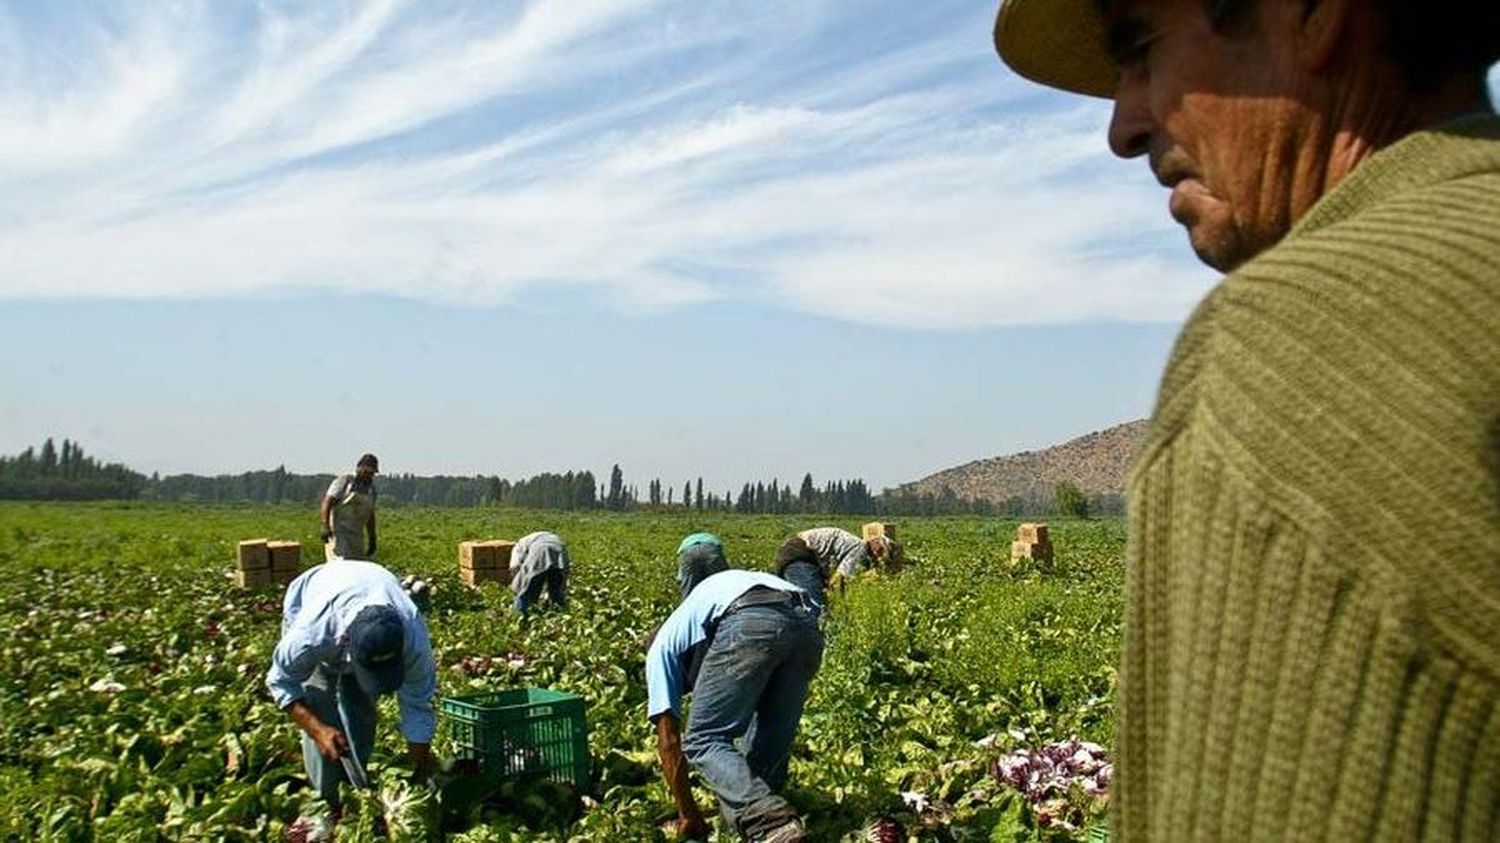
788,832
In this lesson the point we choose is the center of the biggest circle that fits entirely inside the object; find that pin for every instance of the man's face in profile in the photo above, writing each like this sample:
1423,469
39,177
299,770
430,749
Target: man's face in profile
1211,111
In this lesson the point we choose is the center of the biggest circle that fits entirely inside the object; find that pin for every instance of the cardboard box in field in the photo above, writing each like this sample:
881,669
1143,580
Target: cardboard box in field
285,556
484,561
253,555
253,578
875,529
1031,543
502,549
1033,533
474,577
485,555
476,555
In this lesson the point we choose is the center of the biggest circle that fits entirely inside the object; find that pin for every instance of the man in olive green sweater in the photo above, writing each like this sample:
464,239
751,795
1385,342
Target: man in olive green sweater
1312,627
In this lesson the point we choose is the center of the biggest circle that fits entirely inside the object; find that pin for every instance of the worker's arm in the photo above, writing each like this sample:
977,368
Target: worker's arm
414,697
331,742
690,822
370,535
325,513
664,688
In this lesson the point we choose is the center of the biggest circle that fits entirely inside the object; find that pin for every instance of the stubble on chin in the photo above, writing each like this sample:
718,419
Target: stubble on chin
1212,232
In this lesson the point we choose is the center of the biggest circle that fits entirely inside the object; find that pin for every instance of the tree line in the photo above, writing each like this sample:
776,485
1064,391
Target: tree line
67,474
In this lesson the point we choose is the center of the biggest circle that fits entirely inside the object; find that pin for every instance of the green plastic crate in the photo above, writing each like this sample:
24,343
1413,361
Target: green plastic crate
521,732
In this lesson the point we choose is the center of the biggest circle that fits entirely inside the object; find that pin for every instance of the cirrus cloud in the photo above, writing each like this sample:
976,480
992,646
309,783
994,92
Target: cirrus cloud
868,164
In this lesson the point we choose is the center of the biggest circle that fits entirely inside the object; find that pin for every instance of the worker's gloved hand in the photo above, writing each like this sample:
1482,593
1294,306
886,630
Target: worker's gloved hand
327,533
419,592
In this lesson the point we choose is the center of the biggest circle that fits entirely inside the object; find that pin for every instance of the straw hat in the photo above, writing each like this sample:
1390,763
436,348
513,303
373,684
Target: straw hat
1059,43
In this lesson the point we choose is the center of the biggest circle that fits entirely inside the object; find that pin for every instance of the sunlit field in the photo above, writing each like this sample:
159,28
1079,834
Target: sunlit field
132,703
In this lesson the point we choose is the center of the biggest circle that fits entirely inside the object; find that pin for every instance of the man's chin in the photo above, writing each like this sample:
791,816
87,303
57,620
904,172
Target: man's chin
1217,249
1215,240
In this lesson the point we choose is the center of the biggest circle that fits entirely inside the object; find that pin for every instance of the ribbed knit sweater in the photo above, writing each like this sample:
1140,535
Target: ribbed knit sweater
1312,627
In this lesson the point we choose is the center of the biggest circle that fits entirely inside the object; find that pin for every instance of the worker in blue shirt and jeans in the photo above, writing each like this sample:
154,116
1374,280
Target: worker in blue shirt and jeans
746,644
350,633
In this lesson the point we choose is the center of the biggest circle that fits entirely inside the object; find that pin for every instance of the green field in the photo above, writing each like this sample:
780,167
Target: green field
132,703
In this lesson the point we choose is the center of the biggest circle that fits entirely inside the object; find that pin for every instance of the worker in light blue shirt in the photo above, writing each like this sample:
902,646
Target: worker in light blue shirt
350,633
747,645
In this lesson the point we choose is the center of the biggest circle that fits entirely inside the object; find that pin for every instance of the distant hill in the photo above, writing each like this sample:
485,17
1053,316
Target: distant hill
1098,463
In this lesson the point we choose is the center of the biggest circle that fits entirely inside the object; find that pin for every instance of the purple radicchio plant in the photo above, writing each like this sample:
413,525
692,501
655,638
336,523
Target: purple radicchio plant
1051,776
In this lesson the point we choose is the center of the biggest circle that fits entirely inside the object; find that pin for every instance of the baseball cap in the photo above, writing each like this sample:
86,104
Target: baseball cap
377,645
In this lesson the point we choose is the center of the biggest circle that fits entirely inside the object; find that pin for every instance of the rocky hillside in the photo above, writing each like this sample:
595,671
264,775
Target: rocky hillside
1097,463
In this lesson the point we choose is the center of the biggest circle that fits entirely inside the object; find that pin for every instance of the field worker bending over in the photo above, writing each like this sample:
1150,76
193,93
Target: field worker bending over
348,513
349,633
837,554
746,644
539,559
699,556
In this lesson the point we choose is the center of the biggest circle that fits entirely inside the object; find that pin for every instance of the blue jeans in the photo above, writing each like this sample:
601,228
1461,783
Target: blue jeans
752,686
808,577
556,582
327,693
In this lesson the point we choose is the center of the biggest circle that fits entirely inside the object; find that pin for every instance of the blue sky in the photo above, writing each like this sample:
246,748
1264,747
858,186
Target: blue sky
733,239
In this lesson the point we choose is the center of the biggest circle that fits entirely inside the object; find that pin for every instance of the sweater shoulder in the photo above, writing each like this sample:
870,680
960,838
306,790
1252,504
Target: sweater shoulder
1414,276
1350,376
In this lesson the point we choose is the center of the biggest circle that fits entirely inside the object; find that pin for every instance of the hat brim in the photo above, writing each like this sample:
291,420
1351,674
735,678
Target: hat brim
1059,43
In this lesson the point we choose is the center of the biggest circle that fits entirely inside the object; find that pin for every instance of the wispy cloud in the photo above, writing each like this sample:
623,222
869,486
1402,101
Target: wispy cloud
870,163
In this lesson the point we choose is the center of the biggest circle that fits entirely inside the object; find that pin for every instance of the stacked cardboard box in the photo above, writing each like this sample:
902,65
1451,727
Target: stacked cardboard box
286,561
253,564
484,561
1032,542
876,528
261,562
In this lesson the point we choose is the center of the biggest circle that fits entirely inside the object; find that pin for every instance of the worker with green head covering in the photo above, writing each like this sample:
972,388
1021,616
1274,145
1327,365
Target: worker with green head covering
699,556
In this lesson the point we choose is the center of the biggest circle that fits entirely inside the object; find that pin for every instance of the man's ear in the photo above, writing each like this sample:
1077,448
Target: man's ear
1322,28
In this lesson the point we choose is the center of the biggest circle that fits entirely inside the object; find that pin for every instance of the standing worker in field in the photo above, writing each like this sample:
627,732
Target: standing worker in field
539,559
349,633
1312,602
746,644
835,555
699,556
348,513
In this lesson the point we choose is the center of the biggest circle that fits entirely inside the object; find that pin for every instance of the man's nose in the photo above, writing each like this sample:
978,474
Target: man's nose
1130,125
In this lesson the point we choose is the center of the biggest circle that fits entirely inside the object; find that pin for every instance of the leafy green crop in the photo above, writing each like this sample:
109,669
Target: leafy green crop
132,704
